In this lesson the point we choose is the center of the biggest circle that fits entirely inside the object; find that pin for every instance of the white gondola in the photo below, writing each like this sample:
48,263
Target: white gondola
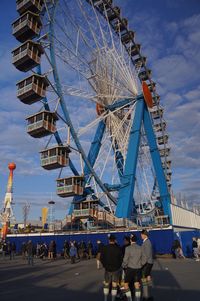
156,112
27,55
144,75
140,62
152,86
158,127
113,14
70,186
127,37
134,49
26,27
164,152
156,100
41,124
32,89
120,25
166,164
55,157
31,5
162,139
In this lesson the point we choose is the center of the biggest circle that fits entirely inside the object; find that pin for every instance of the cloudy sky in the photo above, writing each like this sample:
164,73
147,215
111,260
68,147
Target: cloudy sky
169,32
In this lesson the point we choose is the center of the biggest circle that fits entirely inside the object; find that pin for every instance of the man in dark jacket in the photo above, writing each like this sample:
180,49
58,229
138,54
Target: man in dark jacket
147,253
30,252
111,259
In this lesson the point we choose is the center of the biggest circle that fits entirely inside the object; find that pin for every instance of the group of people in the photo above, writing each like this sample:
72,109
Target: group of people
178,252
40,250
79,250
8,248
128,267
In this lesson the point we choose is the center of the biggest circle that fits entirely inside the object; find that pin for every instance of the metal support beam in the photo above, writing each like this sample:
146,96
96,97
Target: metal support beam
125,202
155,155
95,147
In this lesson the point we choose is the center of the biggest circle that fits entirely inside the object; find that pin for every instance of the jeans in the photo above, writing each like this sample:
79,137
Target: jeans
30,259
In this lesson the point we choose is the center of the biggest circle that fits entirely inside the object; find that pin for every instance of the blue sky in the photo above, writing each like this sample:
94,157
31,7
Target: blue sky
169,32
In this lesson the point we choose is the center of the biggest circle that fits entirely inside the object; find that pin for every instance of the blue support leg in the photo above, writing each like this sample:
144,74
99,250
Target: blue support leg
95,147
125,202
155,155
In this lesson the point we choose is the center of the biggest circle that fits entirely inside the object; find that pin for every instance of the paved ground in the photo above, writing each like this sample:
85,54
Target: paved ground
174,280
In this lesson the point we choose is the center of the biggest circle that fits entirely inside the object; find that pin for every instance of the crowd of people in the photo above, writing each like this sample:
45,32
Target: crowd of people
71,250
127,268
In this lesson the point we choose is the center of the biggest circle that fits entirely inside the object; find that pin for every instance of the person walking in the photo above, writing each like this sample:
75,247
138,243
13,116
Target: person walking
54,250
4,249
132,263
23,250
195,248
147,253
51,250
38,250
73,253
12,250
89,250
9,249
66,248
99,250
30,252
111,258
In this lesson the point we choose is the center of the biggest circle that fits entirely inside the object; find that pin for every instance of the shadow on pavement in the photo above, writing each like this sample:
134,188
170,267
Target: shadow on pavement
58,281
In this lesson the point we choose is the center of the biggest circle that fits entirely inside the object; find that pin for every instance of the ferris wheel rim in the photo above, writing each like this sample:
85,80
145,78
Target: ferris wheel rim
64,108
73,132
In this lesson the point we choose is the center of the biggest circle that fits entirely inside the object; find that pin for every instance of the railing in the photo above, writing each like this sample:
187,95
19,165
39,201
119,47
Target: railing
30,87
82,212
24,2
35,125
54,159
62,189
27,52
25,89
32,25
20,55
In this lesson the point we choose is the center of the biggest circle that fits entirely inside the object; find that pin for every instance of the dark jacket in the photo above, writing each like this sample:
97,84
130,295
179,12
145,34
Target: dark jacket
30,249
111,257
194,244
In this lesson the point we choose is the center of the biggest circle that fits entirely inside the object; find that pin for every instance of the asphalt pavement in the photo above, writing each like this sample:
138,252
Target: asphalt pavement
174,280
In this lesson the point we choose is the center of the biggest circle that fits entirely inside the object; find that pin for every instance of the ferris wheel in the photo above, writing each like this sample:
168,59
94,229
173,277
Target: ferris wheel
95,105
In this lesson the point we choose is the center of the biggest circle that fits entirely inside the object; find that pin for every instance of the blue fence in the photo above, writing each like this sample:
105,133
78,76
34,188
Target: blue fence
161,239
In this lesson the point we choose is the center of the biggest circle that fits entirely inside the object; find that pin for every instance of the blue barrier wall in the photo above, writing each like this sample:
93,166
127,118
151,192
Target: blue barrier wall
161,239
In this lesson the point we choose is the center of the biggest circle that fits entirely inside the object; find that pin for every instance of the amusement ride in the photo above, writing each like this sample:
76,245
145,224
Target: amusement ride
6,213
96,108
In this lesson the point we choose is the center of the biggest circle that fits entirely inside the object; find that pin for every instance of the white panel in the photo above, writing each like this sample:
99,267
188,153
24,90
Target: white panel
184,218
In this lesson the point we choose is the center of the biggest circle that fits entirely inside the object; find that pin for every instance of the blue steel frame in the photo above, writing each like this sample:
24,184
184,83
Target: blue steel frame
126,204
